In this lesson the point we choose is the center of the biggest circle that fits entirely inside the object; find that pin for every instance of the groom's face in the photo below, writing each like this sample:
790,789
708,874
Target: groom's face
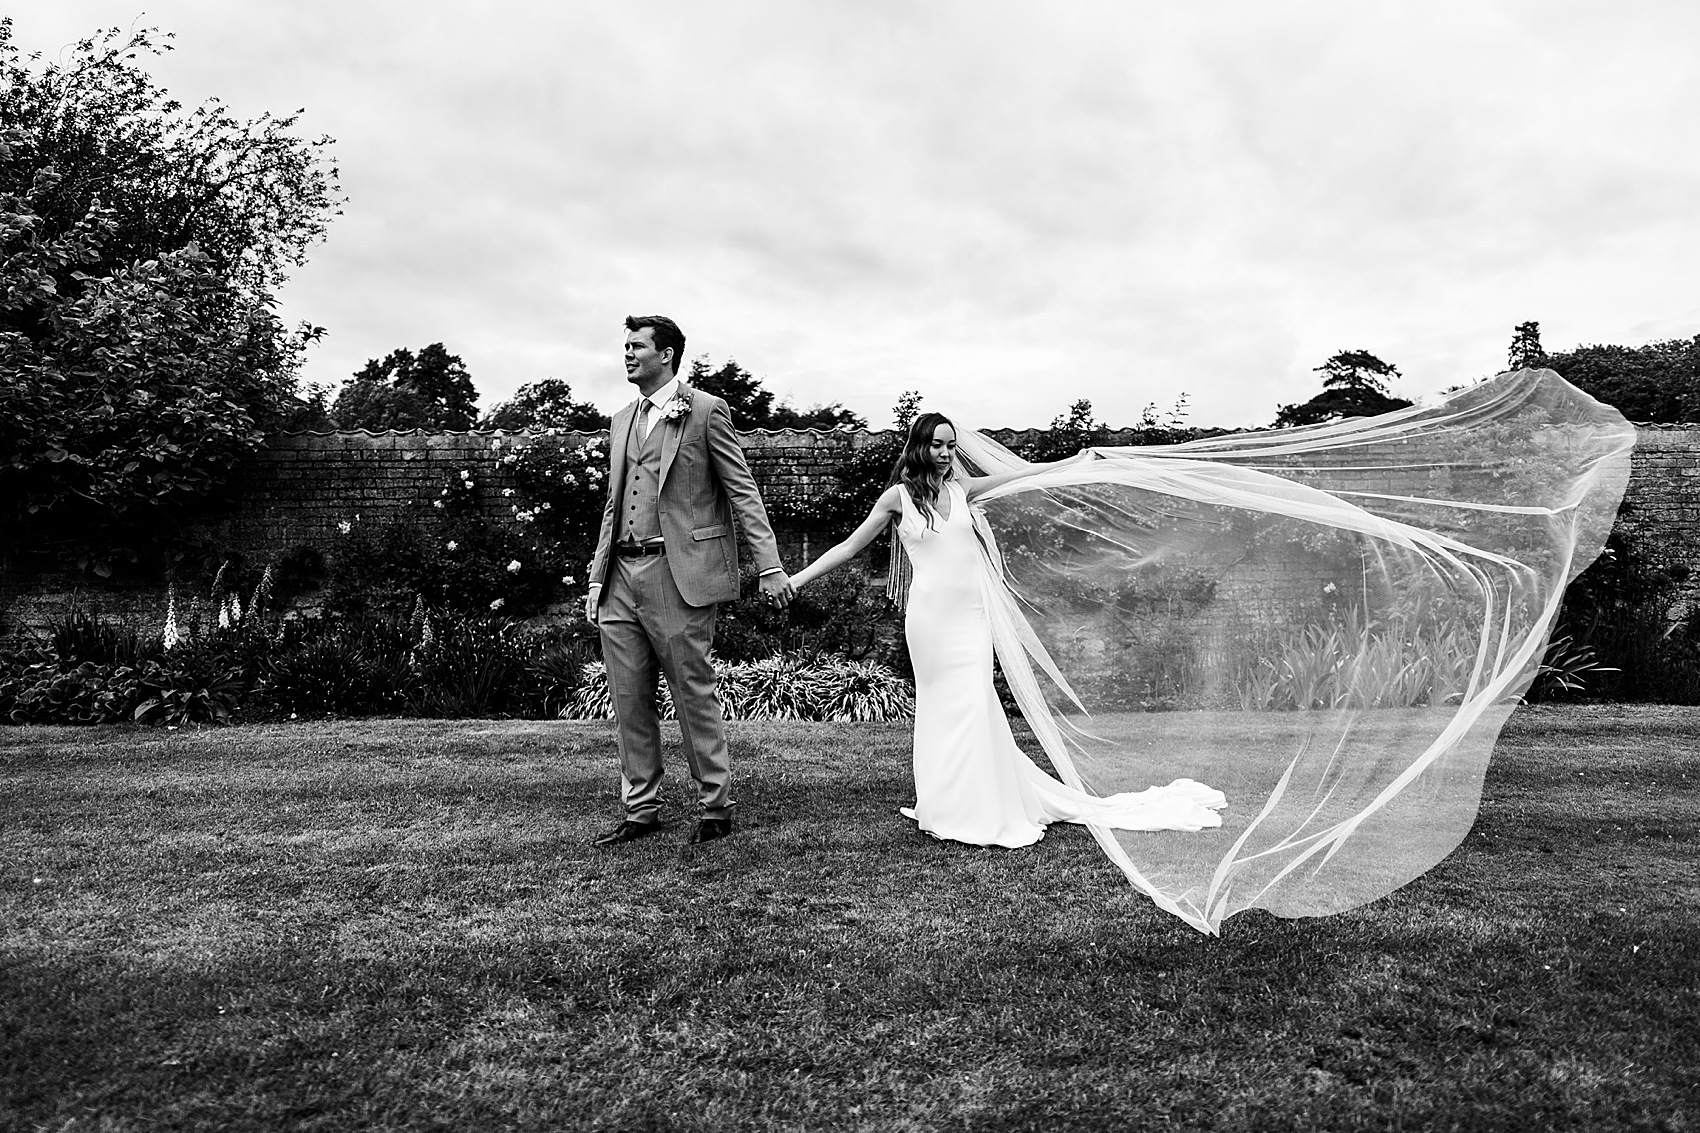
646,367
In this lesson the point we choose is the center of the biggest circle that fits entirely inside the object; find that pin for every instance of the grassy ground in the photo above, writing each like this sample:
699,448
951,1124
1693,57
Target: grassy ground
400,925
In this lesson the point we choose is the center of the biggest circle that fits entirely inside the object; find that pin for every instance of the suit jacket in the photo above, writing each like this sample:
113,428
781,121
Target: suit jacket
705,481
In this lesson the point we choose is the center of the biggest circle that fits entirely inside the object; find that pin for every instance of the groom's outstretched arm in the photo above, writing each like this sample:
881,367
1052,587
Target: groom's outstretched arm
733,470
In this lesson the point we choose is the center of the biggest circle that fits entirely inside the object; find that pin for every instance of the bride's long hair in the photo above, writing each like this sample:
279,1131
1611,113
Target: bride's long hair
915,469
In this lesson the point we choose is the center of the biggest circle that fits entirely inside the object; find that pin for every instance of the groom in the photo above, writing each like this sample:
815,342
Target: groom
666,556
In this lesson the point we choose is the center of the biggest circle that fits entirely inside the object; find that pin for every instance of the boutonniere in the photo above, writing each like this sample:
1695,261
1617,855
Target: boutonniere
678,406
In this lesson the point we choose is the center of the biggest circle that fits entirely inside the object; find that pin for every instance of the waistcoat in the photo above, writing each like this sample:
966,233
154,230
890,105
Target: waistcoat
640,518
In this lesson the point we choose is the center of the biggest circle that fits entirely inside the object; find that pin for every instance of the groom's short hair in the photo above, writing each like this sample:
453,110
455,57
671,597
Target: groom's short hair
665,331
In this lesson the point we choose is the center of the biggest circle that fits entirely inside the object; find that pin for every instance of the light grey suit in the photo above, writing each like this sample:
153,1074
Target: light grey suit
657,614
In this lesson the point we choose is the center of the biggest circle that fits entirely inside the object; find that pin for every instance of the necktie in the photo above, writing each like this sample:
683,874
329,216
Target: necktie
643,419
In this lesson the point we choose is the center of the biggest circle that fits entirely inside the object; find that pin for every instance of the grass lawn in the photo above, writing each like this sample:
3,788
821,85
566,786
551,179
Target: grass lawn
401,925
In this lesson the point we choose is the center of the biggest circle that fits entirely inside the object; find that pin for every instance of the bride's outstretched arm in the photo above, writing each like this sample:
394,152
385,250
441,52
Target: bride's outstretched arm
885,509
976,486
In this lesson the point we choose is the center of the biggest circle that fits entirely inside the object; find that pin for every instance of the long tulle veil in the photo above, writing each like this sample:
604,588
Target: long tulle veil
1329,624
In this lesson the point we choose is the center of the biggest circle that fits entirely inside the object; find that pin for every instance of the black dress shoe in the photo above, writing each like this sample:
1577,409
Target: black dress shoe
711,829
627,831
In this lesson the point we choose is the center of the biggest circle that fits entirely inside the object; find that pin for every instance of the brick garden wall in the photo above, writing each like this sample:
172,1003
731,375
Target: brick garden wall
301,487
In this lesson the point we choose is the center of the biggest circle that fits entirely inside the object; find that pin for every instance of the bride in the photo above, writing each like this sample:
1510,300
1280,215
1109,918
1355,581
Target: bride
972,783
1329,625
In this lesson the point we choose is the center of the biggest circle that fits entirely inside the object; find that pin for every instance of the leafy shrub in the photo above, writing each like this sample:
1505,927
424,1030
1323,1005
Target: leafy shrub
555,664
192,690
1566,669
451,554
1616,610
336,675
341,667
562,484
89,693
841,614
81,635
469,668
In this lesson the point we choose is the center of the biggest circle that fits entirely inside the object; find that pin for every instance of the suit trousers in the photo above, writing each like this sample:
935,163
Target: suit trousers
647,628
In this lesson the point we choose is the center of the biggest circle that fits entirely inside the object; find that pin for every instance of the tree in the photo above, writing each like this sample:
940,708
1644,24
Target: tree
1526,352
428,390
308,411
751,406
380,406
1069,433
1657,382
140,362
250,196
827,415
547,404
1354,384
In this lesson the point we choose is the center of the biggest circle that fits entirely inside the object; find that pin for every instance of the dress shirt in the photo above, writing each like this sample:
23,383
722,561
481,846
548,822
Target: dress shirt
656,400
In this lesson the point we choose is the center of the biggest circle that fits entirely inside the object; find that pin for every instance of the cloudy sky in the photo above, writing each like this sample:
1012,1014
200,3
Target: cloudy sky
1005,205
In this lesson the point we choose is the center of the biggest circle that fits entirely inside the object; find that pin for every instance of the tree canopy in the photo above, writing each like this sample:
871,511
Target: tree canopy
428,390
251,196
140,361
1354,384
548,404
752,405
1657,382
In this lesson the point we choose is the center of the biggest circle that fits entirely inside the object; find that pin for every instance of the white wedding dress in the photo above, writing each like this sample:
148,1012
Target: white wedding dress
972,783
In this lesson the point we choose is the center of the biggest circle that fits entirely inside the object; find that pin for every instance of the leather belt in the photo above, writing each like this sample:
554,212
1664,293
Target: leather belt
641,550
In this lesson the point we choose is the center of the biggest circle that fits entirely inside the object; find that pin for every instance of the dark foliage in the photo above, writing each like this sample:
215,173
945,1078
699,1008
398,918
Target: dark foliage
548,404
428,390
1656,382
451,554
1526,351
81,636
1615,638
140,361
348,666
752,406
191,686
251,196
841,614
827,415
1069,433
1354,384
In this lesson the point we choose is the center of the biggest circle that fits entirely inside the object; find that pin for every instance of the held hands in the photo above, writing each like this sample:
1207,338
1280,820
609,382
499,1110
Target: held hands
776,588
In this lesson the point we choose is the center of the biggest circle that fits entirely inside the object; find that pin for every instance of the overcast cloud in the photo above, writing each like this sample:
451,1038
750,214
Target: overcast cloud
1004,205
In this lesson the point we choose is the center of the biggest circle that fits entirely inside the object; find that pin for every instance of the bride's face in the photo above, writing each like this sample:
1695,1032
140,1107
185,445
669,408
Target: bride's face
942,451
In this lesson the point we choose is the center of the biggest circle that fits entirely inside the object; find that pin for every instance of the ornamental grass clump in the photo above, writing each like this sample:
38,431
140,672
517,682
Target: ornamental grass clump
593,700
773,688
781,687
861,691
